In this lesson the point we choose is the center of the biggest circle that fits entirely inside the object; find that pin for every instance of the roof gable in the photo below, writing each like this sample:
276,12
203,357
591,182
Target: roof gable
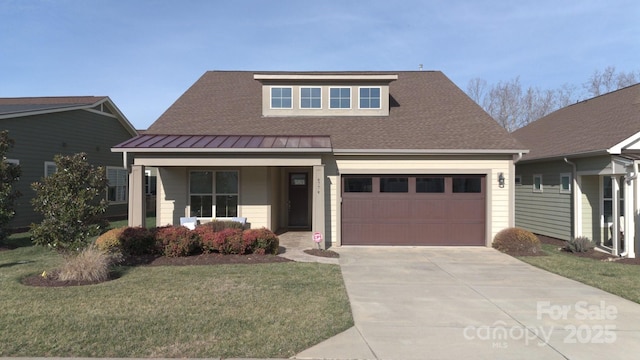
427,112
605,123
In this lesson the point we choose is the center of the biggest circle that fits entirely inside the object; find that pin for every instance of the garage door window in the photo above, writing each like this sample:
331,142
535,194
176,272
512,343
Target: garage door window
357,184
467,185
394,184
430,185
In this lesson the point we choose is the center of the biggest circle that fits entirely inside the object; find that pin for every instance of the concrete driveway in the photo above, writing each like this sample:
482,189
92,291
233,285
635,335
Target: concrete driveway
473,303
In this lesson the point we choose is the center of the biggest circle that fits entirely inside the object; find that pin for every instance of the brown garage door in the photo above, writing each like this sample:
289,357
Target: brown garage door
413,210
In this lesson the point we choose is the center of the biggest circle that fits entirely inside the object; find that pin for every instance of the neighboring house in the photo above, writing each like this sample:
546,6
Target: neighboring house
384,158
43,127
580,177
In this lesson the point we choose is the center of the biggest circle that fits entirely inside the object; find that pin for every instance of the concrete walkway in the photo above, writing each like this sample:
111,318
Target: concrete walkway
293,244
473,303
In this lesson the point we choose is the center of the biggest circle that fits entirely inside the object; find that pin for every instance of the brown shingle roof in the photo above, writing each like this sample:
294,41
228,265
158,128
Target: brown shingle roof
28,104
593,125
430,112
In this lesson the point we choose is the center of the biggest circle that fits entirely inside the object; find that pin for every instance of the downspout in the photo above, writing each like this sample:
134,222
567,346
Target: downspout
577,229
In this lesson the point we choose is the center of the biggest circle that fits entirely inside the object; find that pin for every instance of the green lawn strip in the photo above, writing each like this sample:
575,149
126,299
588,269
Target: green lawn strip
266,310
618,279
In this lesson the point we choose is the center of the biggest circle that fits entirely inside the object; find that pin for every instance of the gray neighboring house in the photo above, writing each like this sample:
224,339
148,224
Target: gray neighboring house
43,127
580,177
358,158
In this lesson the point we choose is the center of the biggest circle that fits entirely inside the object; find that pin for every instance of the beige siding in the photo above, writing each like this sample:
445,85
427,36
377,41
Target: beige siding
172,195
591,207
254,196
547,212
498,201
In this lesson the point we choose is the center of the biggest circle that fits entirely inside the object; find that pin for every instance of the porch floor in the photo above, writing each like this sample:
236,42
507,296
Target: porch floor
293,244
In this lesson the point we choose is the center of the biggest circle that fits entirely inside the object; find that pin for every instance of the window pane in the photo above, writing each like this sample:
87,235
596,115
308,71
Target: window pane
340,98
201,205
565,183
608,211
430,185
226,182
359,184
226,205
608,188
310,98
369,98
395,184
467,185
201,182
281,97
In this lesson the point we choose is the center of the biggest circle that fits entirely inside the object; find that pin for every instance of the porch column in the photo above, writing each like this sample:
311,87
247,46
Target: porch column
317,212
631,213
137,203
615,214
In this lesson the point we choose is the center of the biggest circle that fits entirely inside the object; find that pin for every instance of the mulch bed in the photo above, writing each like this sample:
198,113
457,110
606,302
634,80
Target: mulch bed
322,253
592,254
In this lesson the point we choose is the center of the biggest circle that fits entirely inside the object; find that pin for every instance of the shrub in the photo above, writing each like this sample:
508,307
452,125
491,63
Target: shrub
177,241
109,242
219,225
9,174
138,241
580,244
90,264
261,241
230,241
207,239
516,240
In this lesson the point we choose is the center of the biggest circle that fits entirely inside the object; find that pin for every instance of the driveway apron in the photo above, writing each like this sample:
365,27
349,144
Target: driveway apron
473,302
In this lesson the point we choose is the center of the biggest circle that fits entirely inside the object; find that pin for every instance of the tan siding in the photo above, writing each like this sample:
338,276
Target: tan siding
172,195
254,196
591,208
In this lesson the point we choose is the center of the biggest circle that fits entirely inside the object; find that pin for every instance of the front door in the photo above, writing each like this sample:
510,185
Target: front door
298,200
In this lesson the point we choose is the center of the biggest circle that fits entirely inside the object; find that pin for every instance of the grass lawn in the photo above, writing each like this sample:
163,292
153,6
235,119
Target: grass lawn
618,279
259,310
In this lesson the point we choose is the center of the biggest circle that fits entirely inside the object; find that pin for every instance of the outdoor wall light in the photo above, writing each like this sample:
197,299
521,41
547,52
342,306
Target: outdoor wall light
501,180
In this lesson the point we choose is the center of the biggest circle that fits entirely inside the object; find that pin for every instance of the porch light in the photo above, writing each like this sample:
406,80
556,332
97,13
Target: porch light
501,180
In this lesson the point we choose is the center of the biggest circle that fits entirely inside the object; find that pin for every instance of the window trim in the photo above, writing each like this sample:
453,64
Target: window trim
533,185
350,98
310,98
46,166
379,98
125,193
271,97
570,177
213,193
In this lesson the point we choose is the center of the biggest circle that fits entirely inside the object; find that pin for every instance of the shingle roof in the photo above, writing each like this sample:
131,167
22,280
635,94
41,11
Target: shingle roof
29,104
428,112
593,125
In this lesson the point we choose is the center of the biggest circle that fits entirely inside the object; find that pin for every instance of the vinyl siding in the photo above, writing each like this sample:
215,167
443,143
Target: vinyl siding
254,196
547,212
591,207
39,138
173,194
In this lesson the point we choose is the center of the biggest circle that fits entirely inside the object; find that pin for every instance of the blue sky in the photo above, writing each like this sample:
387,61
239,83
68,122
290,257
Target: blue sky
144,54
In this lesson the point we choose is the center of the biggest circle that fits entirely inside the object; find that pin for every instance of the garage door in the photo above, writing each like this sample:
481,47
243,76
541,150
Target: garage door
413,210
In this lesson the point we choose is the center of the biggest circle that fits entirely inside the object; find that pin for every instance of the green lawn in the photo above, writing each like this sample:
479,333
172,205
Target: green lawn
619,279
261,310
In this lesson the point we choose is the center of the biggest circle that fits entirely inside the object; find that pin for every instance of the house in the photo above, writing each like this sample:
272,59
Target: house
43,127
580,176
358,158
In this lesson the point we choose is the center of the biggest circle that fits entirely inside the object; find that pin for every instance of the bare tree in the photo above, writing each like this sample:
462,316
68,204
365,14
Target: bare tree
608,80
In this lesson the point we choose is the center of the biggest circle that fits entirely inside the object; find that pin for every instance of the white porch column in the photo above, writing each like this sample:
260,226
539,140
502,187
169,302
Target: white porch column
631,212
318,209
615,214
137,201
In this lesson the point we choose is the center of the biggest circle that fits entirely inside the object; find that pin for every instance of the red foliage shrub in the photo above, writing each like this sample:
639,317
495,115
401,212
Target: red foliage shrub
229,241
207,236
137,241
261,241
177,241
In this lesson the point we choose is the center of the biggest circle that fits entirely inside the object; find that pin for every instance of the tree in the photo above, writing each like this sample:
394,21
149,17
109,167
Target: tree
9,174
608,80
72,204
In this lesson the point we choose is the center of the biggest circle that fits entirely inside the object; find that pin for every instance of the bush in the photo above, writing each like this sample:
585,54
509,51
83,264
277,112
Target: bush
109,242
579,245
516,240
219,225
90,264
138,241
261,241
9,174
177,241
230,241
207,239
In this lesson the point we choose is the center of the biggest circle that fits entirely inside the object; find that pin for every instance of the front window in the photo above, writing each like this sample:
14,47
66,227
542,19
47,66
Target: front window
207,186
281,98
607,199
537,183
340,98
370,98
117,184
310,98
565,183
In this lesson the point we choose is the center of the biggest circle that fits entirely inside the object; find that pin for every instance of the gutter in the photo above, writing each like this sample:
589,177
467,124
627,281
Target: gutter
577,223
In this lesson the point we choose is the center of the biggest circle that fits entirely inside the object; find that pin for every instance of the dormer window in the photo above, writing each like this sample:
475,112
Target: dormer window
310,97
369,98
340,98
281,98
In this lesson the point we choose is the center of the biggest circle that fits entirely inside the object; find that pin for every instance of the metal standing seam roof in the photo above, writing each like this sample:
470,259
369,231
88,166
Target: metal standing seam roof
151,142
